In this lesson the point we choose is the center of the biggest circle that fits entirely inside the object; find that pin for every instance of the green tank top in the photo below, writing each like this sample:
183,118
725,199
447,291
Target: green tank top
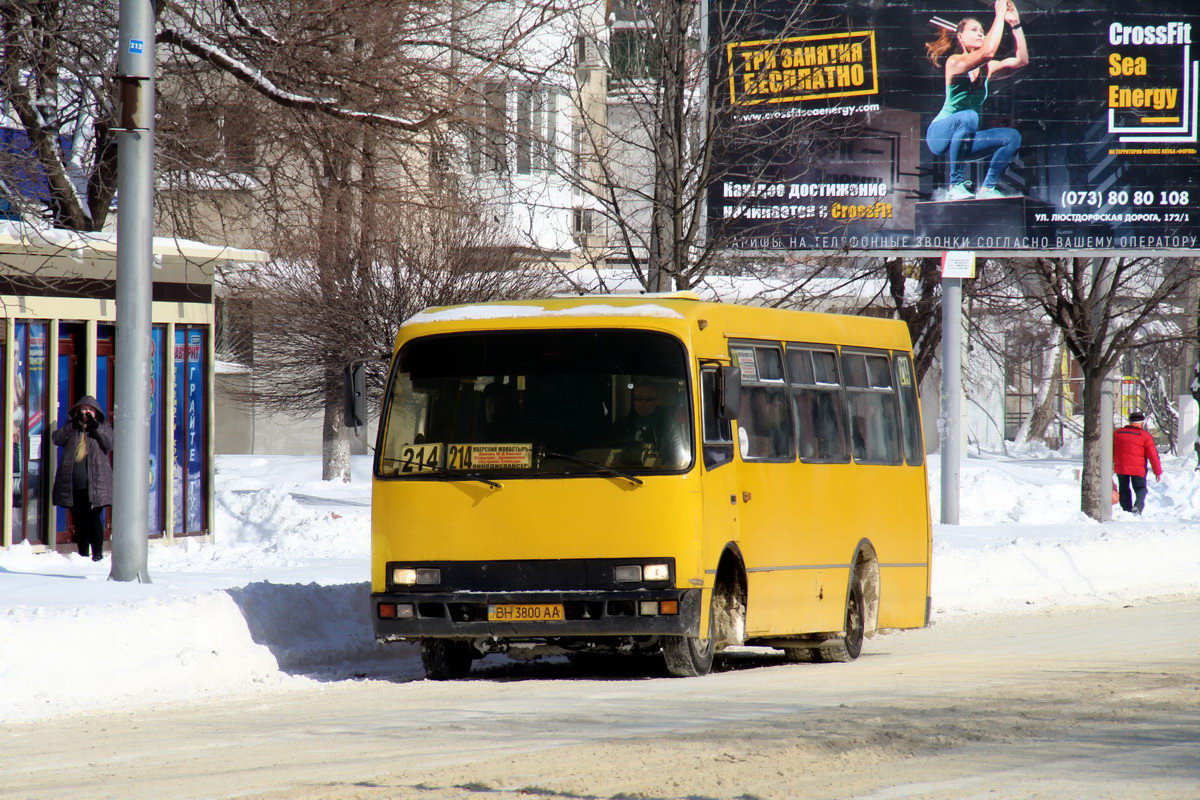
962,93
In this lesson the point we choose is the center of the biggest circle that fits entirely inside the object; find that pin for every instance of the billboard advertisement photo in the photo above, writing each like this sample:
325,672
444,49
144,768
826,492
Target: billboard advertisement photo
993,125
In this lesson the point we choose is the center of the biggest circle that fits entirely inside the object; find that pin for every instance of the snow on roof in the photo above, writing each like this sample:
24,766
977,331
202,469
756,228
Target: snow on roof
30,238
501,311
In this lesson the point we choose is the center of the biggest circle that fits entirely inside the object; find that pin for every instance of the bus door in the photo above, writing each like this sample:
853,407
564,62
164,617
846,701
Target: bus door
722,501
771,500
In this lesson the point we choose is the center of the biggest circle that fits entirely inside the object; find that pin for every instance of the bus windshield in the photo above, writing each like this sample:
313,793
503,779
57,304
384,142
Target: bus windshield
522,403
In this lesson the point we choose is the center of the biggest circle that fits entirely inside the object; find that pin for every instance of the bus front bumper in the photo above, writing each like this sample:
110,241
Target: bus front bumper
586,614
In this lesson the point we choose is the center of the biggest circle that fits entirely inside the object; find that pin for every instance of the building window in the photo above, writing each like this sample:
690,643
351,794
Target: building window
495,134
583,221
213,137
537,126
634,54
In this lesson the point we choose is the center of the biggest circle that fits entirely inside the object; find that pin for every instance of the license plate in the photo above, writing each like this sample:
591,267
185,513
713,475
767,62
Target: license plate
540,612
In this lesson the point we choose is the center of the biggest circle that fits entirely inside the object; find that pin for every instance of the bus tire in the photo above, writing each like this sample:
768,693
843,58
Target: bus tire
446,659
848,645
689,656
799,655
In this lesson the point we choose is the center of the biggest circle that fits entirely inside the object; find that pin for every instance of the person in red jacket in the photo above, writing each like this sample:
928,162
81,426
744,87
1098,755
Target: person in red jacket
1133,446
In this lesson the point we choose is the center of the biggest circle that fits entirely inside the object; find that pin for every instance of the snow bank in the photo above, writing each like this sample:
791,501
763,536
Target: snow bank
279,599
1023,541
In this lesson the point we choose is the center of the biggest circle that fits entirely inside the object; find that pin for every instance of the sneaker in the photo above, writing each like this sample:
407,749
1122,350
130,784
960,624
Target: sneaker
959,191
990,193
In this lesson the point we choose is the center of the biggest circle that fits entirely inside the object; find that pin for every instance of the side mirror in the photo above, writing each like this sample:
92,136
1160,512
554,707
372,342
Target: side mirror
729,392
354,390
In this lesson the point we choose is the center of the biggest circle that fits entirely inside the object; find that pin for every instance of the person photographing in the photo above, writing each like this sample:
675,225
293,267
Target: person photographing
84,479
1133,446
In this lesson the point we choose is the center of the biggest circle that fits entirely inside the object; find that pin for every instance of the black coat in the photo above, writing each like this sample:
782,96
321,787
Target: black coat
99,469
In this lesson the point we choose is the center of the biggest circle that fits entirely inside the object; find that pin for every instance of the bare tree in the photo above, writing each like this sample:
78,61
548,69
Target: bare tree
1047,386
350,103
58,67
59,63
1155,373
1102,306
649,141
310,316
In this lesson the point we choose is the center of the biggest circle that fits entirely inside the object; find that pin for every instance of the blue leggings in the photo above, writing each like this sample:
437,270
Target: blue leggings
959,135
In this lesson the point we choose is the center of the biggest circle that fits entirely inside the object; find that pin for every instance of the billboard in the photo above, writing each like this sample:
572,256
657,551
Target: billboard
1042,125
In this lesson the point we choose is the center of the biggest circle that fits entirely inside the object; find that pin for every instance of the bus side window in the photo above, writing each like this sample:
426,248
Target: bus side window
906,385
821,420
767,423
718,433
817,399
874,416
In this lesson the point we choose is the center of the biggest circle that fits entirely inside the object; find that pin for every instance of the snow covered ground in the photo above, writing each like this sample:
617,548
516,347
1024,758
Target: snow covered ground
279,601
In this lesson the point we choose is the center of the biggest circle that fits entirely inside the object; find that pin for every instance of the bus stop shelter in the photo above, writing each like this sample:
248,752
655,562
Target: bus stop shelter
58,343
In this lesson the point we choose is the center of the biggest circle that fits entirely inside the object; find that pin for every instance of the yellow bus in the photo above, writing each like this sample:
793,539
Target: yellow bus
642,474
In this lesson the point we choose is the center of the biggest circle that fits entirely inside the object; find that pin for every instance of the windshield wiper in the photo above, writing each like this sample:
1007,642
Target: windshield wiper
602,469
462,473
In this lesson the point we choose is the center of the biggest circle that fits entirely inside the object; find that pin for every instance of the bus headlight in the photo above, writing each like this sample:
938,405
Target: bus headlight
629,574
407,576
656,572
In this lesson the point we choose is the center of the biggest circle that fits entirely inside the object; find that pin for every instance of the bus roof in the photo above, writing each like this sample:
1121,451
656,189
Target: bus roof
677,312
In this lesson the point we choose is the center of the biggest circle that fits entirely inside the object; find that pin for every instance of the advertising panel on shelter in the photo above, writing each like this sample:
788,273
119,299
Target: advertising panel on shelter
1035,125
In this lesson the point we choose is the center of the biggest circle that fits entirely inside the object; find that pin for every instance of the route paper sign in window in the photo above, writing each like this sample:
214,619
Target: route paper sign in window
489,456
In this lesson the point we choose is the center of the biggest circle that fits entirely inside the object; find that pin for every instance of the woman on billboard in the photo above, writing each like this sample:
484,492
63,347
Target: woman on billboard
955,131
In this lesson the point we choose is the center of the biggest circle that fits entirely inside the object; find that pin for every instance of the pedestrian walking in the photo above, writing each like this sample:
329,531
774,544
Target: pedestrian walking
84,480
1133,446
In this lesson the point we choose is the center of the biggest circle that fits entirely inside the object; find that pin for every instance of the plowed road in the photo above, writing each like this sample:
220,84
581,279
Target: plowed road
1085,704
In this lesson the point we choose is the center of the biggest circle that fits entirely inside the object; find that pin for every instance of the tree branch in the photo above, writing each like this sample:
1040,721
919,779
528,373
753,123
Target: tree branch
257,81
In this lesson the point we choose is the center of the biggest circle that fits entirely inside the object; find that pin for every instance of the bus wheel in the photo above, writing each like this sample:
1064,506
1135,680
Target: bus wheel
848,645
689,656
799,655
446,659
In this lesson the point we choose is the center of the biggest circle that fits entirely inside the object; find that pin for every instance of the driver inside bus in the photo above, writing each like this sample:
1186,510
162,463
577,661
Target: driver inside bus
657,422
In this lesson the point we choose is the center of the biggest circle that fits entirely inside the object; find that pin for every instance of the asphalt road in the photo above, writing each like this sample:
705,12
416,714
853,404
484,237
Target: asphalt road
1085,704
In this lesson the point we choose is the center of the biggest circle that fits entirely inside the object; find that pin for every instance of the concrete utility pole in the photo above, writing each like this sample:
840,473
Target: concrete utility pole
135,255
951,396
956,265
